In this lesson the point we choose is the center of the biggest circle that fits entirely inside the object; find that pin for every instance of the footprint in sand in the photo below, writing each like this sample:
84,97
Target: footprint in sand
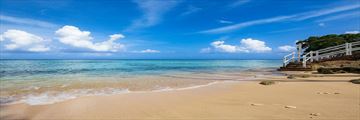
312,115
315,114
256,104
328,93
288,106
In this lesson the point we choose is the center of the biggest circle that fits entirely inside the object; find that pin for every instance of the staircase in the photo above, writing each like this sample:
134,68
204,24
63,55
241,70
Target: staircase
303,62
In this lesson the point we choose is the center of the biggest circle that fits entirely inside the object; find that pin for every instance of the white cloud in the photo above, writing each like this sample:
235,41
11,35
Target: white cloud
27,21
71,35
286,48
1,38
220,46
21,40
341,16
225,22
321,24
246,46
352,32
153,10
294,17
317,13
149,51
246,24
254,45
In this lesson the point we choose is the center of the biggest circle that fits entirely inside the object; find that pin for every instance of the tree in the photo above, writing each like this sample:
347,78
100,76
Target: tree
314,43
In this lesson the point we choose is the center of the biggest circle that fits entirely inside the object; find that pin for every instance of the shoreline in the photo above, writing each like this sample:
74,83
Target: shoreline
152,83
221,100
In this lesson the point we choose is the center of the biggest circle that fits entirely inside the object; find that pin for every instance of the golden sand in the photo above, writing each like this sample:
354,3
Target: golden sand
311,97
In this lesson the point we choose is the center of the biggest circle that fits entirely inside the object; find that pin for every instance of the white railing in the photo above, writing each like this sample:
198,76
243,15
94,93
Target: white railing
288,58
328,52
344,49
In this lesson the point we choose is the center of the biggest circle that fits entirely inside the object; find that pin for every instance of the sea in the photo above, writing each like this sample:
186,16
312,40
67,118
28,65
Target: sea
39,82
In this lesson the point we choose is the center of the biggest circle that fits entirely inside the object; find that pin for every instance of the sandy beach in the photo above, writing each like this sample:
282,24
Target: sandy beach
312,97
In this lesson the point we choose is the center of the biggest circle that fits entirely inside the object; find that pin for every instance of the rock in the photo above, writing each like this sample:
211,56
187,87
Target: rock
256,104
336,93
325,93
288,106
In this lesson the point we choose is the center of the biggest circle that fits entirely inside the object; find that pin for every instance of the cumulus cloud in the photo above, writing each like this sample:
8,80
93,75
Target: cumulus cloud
73,36
23,41
221,47
246,46
286,48
254,45
352,32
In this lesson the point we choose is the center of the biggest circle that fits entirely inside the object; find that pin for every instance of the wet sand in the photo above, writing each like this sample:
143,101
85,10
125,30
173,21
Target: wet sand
311,97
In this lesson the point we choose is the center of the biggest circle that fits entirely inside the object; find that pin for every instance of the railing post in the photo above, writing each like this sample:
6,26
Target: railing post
347,48
284,62
311,56
350,48
304,61
299,50
317,55
293,57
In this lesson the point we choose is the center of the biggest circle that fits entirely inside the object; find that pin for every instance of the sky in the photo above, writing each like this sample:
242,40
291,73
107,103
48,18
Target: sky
168,29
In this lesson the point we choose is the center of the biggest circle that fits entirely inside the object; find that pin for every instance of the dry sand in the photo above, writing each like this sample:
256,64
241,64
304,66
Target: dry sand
327,98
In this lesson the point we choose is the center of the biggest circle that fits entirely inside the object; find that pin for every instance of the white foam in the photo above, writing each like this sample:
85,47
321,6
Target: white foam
52,97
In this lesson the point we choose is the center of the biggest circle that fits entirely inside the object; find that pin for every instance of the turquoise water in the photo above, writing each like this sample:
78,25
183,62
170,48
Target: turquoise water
27,69
41,81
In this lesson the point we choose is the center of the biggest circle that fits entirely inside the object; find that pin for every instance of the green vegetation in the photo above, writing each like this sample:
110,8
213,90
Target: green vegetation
315,43
356,81
267,82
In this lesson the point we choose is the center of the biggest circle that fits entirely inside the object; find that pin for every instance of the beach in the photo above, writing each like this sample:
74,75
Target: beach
315,96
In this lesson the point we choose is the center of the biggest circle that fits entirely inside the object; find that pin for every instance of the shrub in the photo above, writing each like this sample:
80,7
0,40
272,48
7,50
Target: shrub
267,82
355,81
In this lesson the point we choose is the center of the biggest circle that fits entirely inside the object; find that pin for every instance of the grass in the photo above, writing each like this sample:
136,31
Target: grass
355,81
267,82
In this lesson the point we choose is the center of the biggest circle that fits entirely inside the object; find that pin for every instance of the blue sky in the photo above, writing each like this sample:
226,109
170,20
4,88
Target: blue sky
167,29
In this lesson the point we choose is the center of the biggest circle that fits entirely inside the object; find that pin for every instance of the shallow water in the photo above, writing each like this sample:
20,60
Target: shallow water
48,81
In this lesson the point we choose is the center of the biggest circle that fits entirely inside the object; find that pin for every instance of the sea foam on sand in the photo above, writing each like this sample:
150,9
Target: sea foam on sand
51,97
